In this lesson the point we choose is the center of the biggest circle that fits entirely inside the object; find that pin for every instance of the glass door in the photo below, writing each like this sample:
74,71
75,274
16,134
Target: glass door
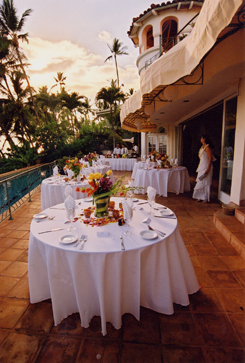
228,143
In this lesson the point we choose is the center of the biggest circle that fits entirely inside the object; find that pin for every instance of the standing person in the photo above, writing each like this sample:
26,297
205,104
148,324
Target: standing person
124,150
117,150
204,171
135,149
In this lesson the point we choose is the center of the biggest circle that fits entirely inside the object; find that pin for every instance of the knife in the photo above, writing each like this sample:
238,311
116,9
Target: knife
142,203
122,244
165,217
56,208
51,230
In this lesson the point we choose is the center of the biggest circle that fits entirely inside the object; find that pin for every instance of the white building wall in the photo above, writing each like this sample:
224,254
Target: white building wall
238,174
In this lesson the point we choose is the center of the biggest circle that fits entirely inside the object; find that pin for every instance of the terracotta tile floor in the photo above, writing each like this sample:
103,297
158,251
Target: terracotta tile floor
210,329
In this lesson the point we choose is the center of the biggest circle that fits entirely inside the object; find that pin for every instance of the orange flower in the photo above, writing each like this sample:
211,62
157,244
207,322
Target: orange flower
77,189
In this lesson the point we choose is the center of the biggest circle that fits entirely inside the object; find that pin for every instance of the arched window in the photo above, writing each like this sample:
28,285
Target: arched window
149,38
169,32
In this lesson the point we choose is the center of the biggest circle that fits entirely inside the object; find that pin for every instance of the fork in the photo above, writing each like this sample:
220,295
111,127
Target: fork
83,241
156,230
80,239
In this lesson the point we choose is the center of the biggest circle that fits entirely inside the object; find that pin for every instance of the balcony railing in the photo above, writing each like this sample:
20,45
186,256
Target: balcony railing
18,189
171,42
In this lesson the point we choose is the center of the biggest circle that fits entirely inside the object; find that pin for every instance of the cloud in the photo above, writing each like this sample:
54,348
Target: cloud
104,36
85,72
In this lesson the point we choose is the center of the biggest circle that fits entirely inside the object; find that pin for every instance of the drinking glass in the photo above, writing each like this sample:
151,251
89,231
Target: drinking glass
151,203
70,216
127,220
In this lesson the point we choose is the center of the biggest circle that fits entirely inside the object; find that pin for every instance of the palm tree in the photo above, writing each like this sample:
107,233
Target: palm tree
111,96
116,49
11,26
59,80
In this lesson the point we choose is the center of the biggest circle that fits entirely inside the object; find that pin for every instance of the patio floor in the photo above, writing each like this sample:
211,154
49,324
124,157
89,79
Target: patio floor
210,329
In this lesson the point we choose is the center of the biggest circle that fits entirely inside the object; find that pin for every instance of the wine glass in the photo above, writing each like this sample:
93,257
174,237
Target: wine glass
70,216
127,220
151,203
130,193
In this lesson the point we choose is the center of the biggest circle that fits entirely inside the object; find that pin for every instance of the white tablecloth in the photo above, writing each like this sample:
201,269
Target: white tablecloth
140,165
122,164
53,192
98,169
101,279
173,180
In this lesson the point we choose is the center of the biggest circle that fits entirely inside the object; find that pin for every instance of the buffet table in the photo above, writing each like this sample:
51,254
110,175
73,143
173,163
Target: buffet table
173,180
122,164
103,280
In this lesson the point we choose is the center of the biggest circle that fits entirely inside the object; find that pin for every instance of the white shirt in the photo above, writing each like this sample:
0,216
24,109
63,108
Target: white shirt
124,150
117,151
135,148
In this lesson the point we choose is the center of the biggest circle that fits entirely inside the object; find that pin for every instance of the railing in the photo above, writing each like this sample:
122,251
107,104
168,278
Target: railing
172,41
18,189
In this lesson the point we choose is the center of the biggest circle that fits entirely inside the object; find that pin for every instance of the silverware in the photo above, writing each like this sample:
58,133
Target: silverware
156,230
122,244
80,239
142,203
51,230
56,208
83,241
170,217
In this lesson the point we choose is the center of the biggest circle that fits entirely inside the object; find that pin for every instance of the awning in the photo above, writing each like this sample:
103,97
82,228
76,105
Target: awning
179,61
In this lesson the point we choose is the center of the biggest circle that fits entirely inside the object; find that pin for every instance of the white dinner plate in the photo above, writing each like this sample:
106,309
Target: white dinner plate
68,238
135,200
89,199
166,212
40,216
148,234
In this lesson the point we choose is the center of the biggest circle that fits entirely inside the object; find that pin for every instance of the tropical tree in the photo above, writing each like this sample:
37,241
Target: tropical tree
111,96
10,27
116,50
60,80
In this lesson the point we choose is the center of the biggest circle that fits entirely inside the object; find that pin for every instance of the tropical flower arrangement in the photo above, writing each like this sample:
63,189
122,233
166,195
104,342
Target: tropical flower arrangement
124,156
75,165
164,160
90,157
154,155
102,184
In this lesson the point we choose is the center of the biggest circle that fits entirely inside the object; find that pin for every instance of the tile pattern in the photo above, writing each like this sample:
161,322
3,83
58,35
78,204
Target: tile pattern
210,329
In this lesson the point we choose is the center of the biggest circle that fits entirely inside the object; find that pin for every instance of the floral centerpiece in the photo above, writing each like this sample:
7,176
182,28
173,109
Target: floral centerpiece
90,157
75,165
164,160
124,156
101,188
154,155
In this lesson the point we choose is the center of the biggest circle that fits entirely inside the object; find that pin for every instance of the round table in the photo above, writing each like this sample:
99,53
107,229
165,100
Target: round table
141,165
173,180
103,280
53,191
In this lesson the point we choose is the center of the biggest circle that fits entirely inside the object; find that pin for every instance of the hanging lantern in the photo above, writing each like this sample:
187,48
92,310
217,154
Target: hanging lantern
138,124
171,93
149,109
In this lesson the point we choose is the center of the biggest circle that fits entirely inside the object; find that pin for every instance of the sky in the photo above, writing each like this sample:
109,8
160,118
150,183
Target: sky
71,36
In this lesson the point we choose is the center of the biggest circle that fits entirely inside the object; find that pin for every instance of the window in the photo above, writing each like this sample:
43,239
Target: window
149,39
169,32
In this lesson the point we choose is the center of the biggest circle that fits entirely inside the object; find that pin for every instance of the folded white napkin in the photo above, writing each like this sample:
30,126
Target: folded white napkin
55,171
127,208
68,191
159,162
70,206
151,193
148,162
176,162
70,173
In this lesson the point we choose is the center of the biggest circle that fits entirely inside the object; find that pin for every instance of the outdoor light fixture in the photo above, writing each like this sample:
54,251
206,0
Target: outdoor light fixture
171,93
149,109
138,124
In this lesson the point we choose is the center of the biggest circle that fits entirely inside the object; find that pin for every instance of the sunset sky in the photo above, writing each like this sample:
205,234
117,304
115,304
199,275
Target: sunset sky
72,36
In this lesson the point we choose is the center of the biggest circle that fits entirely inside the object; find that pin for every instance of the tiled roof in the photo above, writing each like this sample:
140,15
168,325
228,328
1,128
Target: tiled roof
161,6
